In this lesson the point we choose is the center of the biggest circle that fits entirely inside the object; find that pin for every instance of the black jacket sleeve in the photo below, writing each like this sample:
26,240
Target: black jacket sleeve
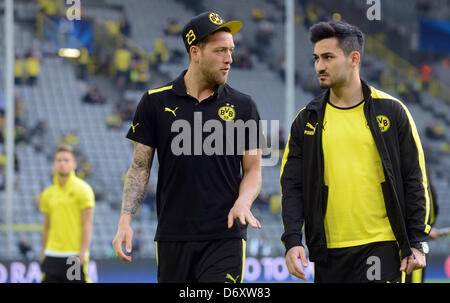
417,200
291,187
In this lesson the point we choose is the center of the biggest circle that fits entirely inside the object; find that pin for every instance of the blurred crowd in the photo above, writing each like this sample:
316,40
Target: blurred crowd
118,58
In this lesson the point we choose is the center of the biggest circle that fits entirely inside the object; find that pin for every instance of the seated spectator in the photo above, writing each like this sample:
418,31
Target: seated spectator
114,120
70,138
173,27
435,131
139,74
125,25
445,148
161,52
113,28
32,68
19,108
122,61
38,135
18,70
258,14
21,133
94,96
311,15
49,7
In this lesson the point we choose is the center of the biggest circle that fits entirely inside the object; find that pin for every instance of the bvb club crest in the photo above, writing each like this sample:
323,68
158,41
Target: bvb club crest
227,112
215,18
383,122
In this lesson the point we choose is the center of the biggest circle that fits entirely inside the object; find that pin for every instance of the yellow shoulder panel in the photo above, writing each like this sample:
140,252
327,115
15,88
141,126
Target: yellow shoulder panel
378,94
157,90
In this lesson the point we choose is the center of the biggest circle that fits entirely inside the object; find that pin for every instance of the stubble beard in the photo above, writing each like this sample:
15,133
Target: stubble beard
213,78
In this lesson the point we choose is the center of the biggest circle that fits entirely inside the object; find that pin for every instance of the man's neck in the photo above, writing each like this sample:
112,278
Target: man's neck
62,180
197,87
347,95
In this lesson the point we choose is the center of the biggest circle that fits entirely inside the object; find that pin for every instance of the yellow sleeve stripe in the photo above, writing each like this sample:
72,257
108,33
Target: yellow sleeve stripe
161,89
376,94
286,153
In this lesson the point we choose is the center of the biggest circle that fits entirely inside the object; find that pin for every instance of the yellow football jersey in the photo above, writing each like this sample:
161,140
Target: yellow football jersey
353,172
64,205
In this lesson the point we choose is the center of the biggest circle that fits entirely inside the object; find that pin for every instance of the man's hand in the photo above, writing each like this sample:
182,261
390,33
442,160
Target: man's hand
124,235
415,261
292,256
242,211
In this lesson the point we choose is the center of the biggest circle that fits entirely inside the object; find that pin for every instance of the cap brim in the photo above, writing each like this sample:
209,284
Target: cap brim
234,26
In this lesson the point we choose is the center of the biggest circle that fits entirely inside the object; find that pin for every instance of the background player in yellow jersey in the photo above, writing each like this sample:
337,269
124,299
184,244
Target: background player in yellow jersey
68,207
353,174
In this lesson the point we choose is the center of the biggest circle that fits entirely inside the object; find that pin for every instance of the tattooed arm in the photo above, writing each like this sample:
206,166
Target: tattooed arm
134,190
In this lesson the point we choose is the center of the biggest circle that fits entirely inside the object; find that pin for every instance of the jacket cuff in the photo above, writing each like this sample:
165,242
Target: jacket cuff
293,240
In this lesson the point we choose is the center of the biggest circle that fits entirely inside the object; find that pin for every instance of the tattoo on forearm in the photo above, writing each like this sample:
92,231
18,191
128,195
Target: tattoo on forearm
136,180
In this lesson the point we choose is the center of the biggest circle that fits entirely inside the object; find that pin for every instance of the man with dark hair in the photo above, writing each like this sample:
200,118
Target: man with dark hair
350,38
353,173
203,199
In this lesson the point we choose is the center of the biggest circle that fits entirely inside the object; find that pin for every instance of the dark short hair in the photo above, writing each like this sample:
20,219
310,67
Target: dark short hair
350,38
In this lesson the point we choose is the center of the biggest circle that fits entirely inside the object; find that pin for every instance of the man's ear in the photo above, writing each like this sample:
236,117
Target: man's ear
356,58
194,51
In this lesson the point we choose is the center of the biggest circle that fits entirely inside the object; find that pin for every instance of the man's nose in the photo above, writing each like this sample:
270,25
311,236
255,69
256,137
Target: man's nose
228,57
320,66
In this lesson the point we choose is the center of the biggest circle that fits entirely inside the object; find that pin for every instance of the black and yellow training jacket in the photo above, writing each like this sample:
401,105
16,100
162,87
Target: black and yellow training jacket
405,190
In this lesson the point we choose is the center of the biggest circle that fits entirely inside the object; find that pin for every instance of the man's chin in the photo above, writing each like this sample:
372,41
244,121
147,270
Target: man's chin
222,80
63,174
324,85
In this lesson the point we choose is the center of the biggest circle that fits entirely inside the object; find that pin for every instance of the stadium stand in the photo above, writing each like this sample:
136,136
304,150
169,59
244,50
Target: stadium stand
57,99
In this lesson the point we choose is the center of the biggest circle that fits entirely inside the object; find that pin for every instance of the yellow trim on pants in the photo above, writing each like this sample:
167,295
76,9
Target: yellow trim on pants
244,245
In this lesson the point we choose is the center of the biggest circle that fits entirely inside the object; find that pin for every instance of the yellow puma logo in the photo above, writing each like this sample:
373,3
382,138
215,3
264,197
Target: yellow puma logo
310,132
172,111
310,126
231,278
133,127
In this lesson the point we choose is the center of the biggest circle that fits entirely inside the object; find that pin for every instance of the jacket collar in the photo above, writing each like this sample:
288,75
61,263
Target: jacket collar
319,102
69,179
